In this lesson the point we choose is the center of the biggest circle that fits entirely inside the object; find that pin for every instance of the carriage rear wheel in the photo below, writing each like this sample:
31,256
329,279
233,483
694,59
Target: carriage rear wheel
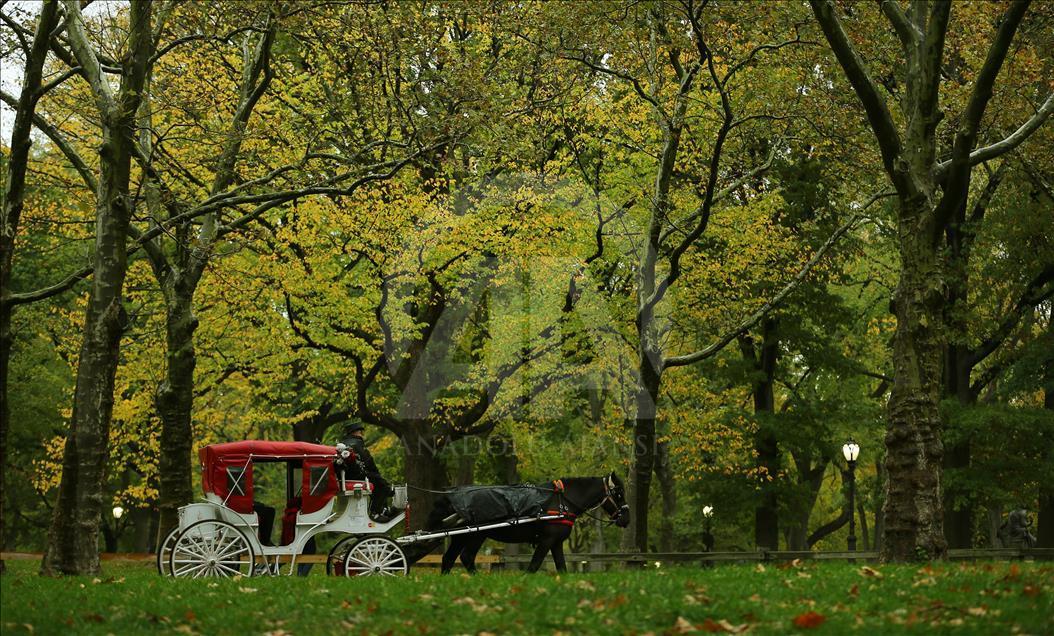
164,551
211,548
335,559
375,556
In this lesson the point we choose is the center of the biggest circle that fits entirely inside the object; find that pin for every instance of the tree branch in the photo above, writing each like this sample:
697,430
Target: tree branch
1035,293
874,106
906,31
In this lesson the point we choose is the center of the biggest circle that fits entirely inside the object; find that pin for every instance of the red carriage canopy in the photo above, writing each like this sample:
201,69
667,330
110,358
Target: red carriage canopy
226,471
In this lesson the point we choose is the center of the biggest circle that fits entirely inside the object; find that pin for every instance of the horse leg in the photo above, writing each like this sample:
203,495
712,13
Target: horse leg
558,556
451,554
539,554
468,554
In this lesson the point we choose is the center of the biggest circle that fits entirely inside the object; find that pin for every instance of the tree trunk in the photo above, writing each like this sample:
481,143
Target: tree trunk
766,511
1045,518
880,519
810,477
73,539
914,453
668,488
174,401
16,167
958,516
864,534
424,470
6,341
179,280
644,452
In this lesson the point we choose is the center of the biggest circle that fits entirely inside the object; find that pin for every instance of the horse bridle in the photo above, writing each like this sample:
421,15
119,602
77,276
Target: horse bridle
609,487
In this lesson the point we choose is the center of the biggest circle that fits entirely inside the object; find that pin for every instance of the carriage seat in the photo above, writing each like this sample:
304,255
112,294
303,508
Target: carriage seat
351,486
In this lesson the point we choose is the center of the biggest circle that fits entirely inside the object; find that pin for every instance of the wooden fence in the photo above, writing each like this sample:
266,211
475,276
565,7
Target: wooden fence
658,559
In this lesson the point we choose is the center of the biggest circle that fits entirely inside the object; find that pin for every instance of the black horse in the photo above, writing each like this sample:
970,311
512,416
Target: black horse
572,496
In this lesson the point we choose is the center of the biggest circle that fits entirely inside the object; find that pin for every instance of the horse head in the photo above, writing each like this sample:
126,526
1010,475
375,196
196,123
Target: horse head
614,502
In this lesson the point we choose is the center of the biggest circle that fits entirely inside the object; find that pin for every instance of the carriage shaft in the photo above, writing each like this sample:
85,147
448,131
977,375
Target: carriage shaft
441,534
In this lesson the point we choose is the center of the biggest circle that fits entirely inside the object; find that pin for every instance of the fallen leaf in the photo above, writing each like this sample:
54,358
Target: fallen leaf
95,618
723,626
1031,591
190,616
976,611
868,571
682,626
247,590
808,620
855,590
754,598
759,568
585,585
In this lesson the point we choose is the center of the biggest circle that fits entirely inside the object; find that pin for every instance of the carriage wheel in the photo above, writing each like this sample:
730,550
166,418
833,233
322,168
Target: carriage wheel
211,548
164,552
375,556
335,558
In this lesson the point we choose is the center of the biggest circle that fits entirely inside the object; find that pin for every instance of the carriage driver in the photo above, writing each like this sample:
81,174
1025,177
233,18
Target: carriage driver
381,488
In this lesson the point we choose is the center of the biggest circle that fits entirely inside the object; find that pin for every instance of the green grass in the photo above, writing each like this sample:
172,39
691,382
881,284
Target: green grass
984,598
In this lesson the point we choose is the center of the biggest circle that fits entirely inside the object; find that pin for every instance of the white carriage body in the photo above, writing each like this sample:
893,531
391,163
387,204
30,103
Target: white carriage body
327,503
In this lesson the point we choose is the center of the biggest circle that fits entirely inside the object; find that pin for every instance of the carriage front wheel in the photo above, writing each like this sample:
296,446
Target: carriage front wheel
376,555
211,548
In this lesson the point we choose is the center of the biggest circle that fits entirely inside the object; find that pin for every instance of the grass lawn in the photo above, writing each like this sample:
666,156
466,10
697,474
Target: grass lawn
832,598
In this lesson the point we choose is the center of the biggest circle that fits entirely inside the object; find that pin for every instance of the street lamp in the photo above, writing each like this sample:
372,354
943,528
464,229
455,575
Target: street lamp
117,512
851,450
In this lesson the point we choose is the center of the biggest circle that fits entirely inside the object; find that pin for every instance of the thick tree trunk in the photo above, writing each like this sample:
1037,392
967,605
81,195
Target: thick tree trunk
425,470
914,453
174,401
73,539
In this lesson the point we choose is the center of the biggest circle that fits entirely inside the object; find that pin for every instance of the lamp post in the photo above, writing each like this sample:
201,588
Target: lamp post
851,450
708,537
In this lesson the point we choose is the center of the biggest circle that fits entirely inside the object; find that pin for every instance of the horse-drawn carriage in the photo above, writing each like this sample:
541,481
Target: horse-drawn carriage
221,536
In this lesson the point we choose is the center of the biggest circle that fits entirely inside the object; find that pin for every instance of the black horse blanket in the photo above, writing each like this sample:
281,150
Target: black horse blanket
482,504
